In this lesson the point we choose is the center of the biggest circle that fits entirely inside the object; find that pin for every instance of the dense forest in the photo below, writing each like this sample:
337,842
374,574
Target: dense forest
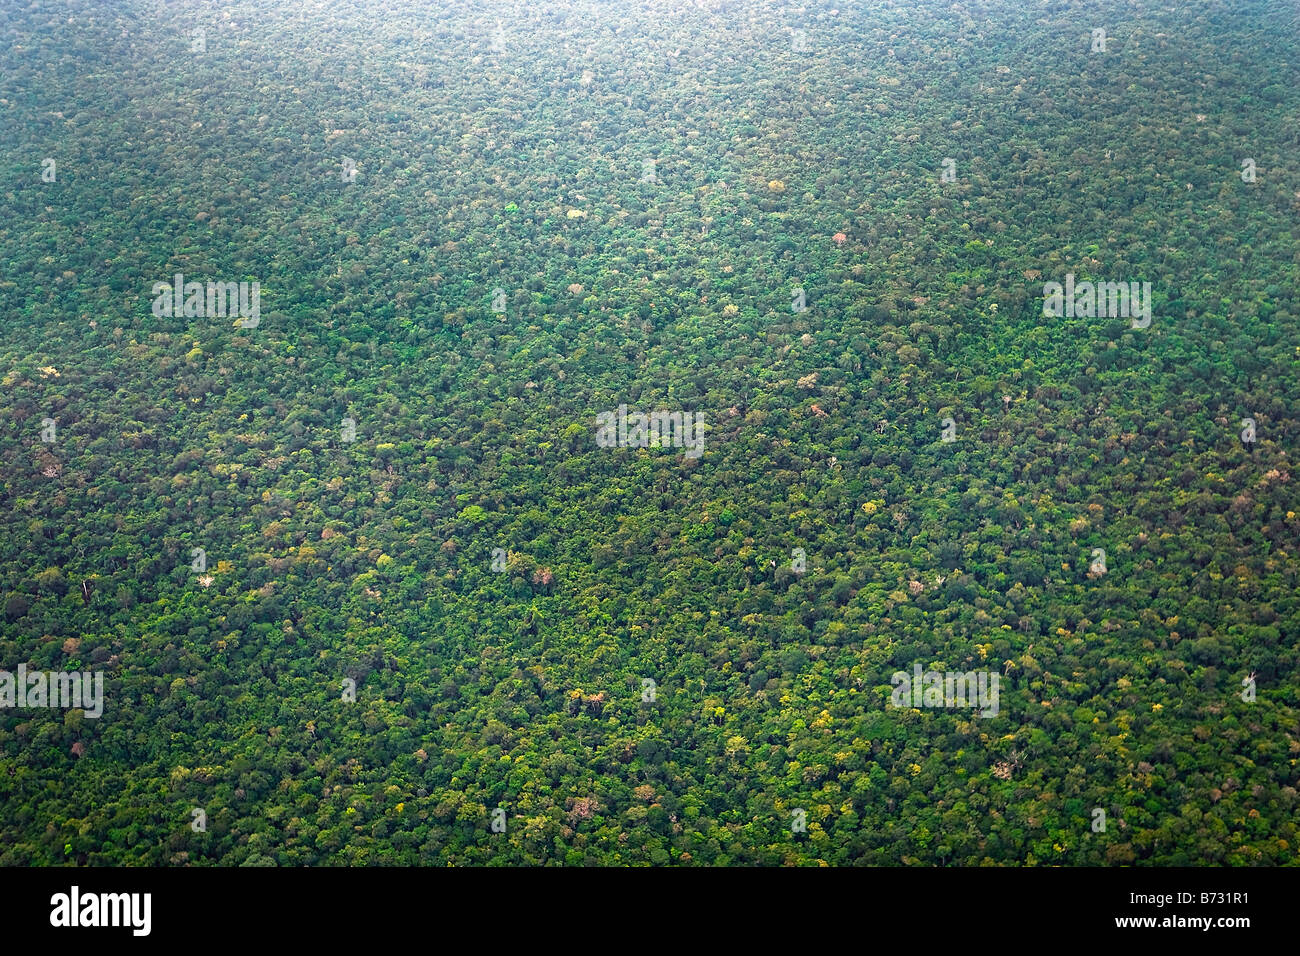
363,584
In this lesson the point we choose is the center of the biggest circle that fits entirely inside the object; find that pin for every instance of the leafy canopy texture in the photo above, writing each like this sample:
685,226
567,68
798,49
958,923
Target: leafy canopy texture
365,588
